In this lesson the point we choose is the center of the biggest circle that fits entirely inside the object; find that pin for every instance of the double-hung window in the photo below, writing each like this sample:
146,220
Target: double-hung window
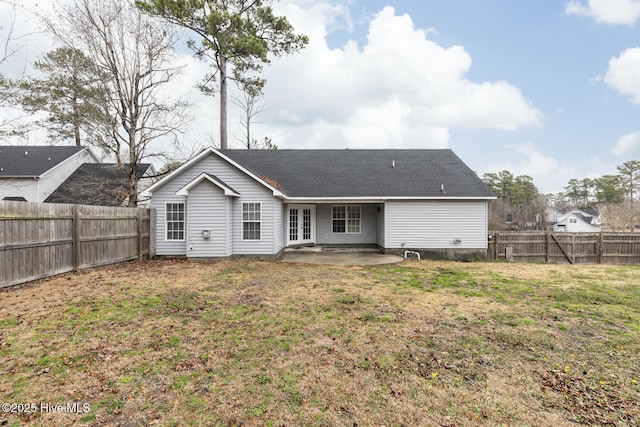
251,221
175,221
345,219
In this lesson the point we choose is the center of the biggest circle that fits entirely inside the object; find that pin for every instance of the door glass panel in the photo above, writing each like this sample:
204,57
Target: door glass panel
293,225
306,224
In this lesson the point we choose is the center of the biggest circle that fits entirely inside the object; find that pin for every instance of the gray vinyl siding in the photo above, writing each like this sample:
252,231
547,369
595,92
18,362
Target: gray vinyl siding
207,210
247,187
436,224
380,240
164,246
324,234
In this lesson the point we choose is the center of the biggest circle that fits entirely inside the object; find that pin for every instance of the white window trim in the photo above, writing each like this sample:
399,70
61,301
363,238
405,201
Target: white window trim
166,222
346,219
242,221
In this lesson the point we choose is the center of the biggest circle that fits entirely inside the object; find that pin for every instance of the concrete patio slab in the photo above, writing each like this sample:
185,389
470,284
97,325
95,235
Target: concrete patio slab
340,257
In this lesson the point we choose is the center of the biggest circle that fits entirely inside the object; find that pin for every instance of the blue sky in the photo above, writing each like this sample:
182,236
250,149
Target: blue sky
555,53
547,88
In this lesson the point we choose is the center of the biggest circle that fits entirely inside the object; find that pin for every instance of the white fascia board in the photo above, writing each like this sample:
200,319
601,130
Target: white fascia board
68,159
204,153
381,199
184,191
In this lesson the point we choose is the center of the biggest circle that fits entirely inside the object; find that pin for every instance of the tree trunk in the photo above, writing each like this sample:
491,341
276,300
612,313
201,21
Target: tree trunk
248,131
223,102
133,163
133,186
76,120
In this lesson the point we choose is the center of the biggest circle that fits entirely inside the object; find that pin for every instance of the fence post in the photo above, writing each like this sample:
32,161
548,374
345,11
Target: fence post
547,247
600,247
495,245
75,231
508,253
139,231
152,233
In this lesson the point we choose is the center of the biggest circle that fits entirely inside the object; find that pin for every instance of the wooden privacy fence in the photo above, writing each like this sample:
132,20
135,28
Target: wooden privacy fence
573,248
40,239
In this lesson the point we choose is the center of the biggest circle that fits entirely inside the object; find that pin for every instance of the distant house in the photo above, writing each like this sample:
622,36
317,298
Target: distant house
101,184
226,203
32,173
574,221
595,214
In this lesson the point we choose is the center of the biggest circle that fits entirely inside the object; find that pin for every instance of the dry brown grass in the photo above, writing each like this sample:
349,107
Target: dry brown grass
262,343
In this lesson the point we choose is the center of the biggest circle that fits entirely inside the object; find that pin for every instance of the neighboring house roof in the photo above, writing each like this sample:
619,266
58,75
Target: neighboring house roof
585,218
14,199
592,212
102,184
353,173
33,161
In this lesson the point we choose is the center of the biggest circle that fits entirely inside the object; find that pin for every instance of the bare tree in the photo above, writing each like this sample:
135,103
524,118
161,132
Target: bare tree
135,54
13,41
250,106
619,216
10,45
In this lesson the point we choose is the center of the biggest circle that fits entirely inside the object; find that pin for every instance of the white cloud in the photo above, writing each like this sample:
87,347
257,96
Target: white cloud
627,144
398,89
623,74
549,174
610,12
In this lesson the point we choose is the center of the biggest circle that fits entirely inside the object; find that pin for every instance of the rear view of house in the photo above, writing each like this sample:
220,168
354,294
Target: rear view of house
574,221
226,203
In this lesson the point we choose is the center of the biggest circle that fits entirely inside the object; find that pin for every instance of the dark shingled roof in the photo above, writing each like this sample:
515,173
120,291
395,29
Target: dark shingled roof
586,219
100,184
592,211
215,178
29,161
363,173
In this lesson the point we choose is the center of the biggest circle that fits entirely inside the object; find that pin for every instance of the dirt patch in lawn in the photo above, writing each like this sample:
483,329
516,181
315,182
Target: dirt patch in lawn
245,342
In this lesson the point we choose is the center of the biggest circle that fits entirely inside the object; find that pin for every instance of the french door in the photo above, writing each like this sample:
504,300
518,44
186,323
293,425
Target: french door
301,224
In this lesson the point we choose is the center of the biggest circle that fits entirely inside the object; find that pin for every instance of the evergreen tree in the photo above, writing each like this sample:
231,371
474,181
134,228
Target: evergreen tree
232,33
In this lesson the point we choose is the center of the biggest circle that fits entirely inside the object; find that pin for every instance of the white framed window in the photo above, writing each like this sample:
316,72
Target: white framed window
345,219
573,220
174,221
251,221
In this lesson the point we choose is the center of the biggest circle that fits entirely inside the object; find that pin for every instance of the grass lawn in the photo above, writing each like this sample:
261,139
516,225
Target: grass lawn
231,343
